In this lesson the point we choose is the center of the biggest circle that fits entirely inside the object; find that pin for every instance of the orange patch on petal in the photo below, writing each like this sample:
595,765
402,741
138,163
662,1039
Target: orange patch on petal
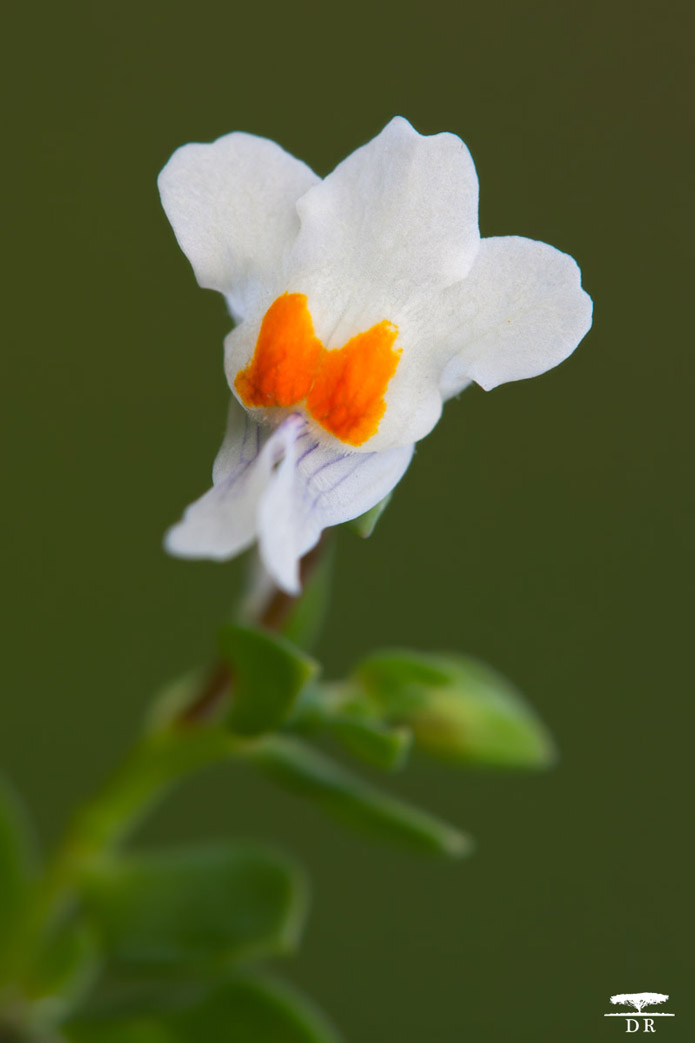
347,398
287,356
344,388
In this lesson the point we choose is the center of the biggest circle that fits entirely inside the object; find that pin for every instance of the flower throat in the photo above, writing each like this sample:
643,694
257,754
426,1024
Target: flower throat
343,389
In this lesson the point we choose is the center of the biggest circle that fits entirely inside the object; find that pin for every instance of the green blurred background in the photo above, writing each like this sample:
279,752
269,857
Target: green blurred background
542,526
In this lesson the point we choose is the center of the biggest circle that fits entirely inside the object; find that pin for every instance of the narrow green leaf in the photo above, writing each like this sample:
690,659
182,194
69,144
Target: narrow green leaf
195,909
269,673
307,772
365,525
458,708
17,860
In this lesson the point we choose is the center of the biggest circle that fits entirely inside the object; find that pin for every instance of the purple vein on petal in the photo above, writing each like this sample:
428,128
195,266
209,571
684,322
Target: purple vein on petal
322,492
307,451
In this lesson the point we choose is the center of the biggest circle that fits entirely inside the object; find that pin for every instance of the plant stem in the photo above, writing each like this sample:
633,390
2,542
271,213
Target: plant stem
160,759
157,763
272,614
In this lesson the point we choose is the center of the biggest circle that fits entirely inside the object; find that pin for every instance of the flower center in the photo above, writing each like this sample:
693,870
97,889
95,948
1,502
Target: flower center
343,389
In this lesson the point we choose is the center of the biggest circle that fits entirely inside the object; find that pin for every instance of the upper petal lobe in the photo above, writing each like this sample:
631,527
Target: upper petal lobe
521,311
232,205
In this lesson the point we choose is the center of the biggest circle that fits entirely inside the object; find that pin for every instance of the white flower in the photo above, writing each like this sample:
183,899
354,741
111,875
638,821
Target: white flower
362,302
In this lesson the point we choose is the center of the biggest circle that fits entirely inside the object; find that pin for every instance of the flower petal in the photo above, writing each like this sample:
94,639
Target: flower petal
521,311
380,240
222,523
313,489
394,222
281,487
232,206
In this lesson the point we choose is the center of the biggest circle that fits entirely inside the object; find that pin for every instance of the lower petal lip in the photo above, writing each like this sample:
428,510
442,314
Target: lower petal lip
271,487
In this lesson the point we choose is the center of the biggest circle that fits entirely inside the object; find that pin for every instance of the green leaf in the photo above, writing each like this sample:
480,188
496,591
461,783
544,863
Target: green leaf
196,909
458,708
305,771
17,860
247,1010
268,674
253,1010
365,525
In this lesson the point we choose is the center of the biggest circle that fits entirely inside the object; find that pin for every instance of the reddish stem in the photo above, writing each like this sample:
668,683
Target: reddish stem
216,691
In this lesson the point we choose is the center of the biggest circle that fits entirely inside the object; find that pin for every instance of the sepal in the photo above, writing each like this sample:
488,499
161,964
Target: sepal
365,525
268,674
458,708
342,711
